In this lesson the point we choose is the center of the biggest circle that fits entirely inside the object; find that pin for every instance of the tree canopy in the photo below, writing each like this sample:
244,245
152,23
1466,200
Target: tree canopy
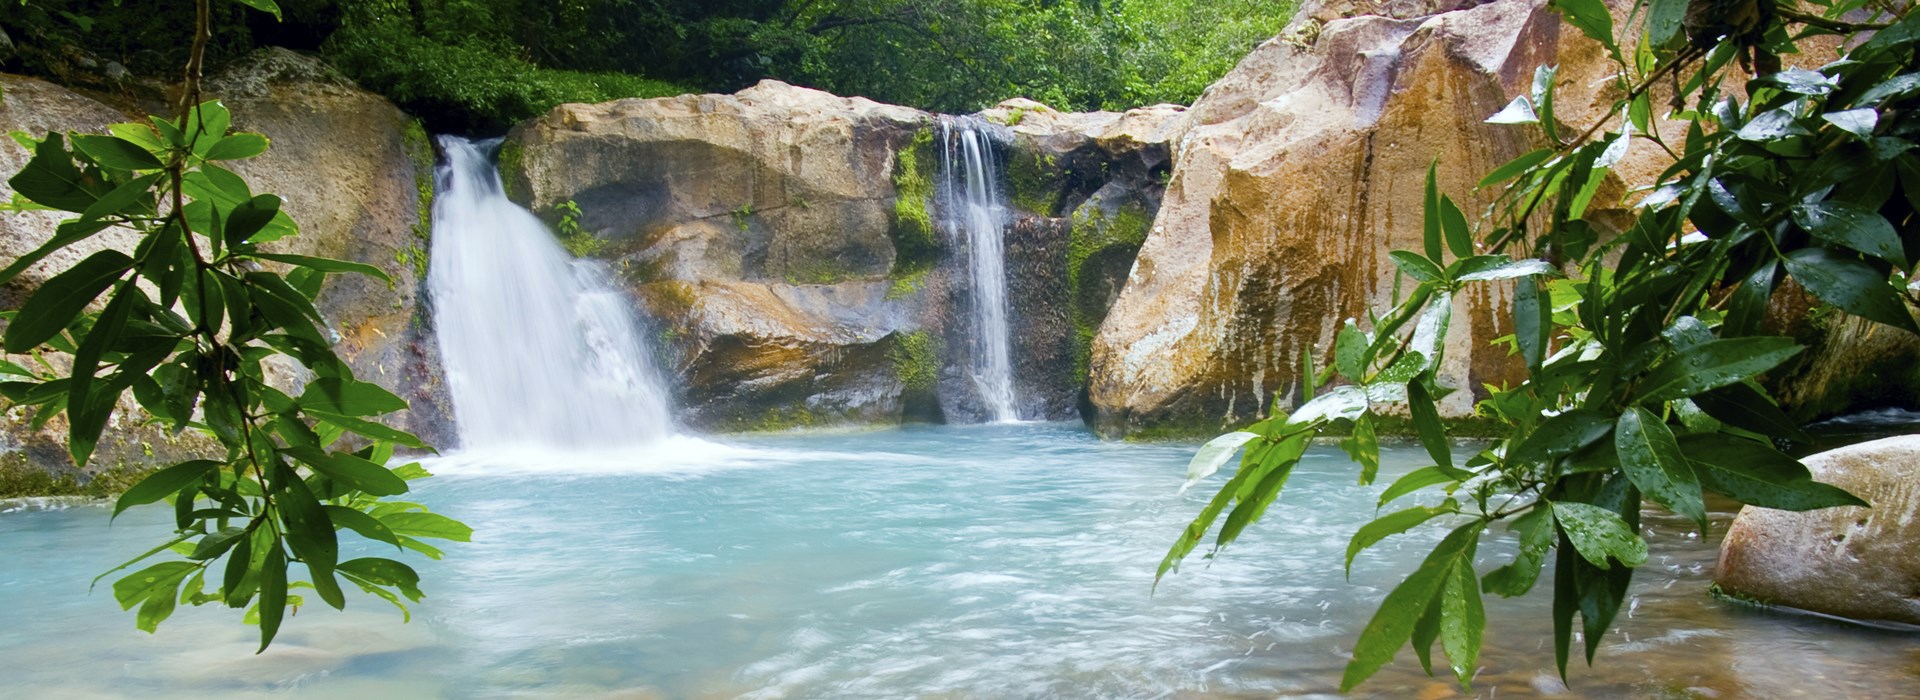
475,65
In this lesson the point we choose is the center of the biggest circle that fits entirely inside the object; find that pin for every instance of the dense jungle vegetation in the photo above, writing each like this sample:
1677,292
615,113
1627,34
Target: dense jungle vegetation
476,65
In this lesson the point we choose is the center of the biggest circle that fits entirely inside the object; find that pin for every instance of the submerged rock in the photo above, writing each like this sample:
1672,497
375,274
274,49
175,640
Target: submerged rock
1860,563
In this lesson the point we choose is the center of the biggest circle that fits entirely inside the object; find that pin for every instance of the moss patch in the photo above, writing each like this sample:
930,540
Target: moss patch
1094,233
419,150
512,161
907,285
779,419
18,479
916,360
1033,180
914,245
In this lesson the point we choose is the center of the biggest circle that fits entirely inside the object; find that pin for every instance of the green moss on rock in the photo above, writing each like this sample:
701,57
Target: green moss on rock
1094,233
914,243
1033,180
916,360
512,161
420,151
19,479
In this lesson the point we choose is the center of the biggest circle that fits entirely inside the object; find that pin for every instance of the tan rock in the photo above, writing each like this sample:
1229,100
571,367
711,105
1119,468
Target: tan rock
348,174
1300,171
1861,563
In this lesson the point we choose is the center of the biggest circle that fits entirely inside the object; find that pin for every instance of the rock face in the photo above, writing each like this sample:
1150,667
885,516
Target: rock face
1861,563
1296,175
352,170
787,244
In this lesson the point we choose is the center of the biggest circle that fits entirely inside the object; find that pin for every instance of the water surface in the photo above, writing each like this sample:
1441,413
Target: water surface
1003,561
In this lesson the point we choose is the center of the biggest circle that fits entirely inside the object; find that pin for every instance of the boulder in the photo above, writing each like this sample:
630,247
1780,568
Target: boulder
1296,174
353,171
357,174
1861,563
817,218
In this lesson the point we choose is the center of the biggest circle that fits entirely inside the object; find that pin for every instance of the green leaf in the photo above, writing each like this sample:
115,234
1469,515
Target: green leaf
1363,446
116,152
1463,620
1852,285
1599,534
60,299
68,233
1393,623
1453,224
88,406
1276,464
369,428
385,572
434,525
325,264
1663,20
366,525
1714,364
1426,421
351,471
206,124
1210,456
1349,346
217,543
1756,474
50,178
136,191
1431,220
1741,406
160,579
237,146
1417,267
1859,122
1536,533
1852,225
273,594
1420,479
1560,436
1592,18
349,397
249,218
267,6
1532,322
1905,31
1341,402
1393,524
1653,461
1771,125
1516,166
1486,268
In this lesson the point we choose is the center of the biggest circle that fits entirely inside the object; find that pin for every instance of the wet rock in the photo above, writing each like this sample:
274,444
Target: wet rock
352,176
778,195
1861,563
357,174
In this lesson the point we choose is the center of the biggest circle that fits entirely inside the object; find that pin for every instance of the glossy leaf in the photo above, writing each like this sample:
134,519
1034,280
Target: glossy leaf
1212,455
1652,459
326,264
1393,524
1599,534
237,146
1757,474
116,152
1426,422
1850,284
1715,364
60,299
1420,479
1392,624
1851,225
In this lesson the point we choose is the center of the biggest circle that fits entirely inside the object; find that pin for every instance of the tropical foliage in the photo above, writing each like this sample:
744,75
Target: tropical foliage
1643,338
484,64
185,323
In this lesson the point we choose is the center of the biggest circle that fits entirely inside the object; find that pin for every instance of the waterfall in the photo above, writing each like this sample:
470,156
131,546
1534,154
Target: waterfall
541,350
975,215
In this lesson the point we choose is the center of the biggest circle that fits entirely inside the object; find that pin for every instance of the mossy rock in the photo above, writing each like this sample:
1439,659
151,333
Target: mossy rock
915,242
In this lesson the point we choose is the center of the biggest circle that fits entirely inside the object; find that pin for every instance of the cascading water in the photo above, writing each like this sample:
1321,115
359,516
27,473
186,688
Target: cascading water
975,216
540,350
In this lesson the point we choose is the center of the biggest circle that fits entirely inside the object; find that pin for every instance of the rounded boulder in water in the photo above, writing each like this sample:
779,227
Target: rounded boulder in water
1859,563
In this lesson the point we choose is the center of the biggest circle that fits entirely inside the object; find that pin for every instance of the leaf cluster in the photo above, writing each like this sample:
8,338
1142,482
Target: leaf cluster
185,324
1641,333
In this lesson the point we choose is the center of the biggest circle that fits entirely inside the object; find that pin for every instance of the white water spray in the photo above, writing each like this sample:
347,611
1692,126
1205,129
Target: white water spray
976,218
541,351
